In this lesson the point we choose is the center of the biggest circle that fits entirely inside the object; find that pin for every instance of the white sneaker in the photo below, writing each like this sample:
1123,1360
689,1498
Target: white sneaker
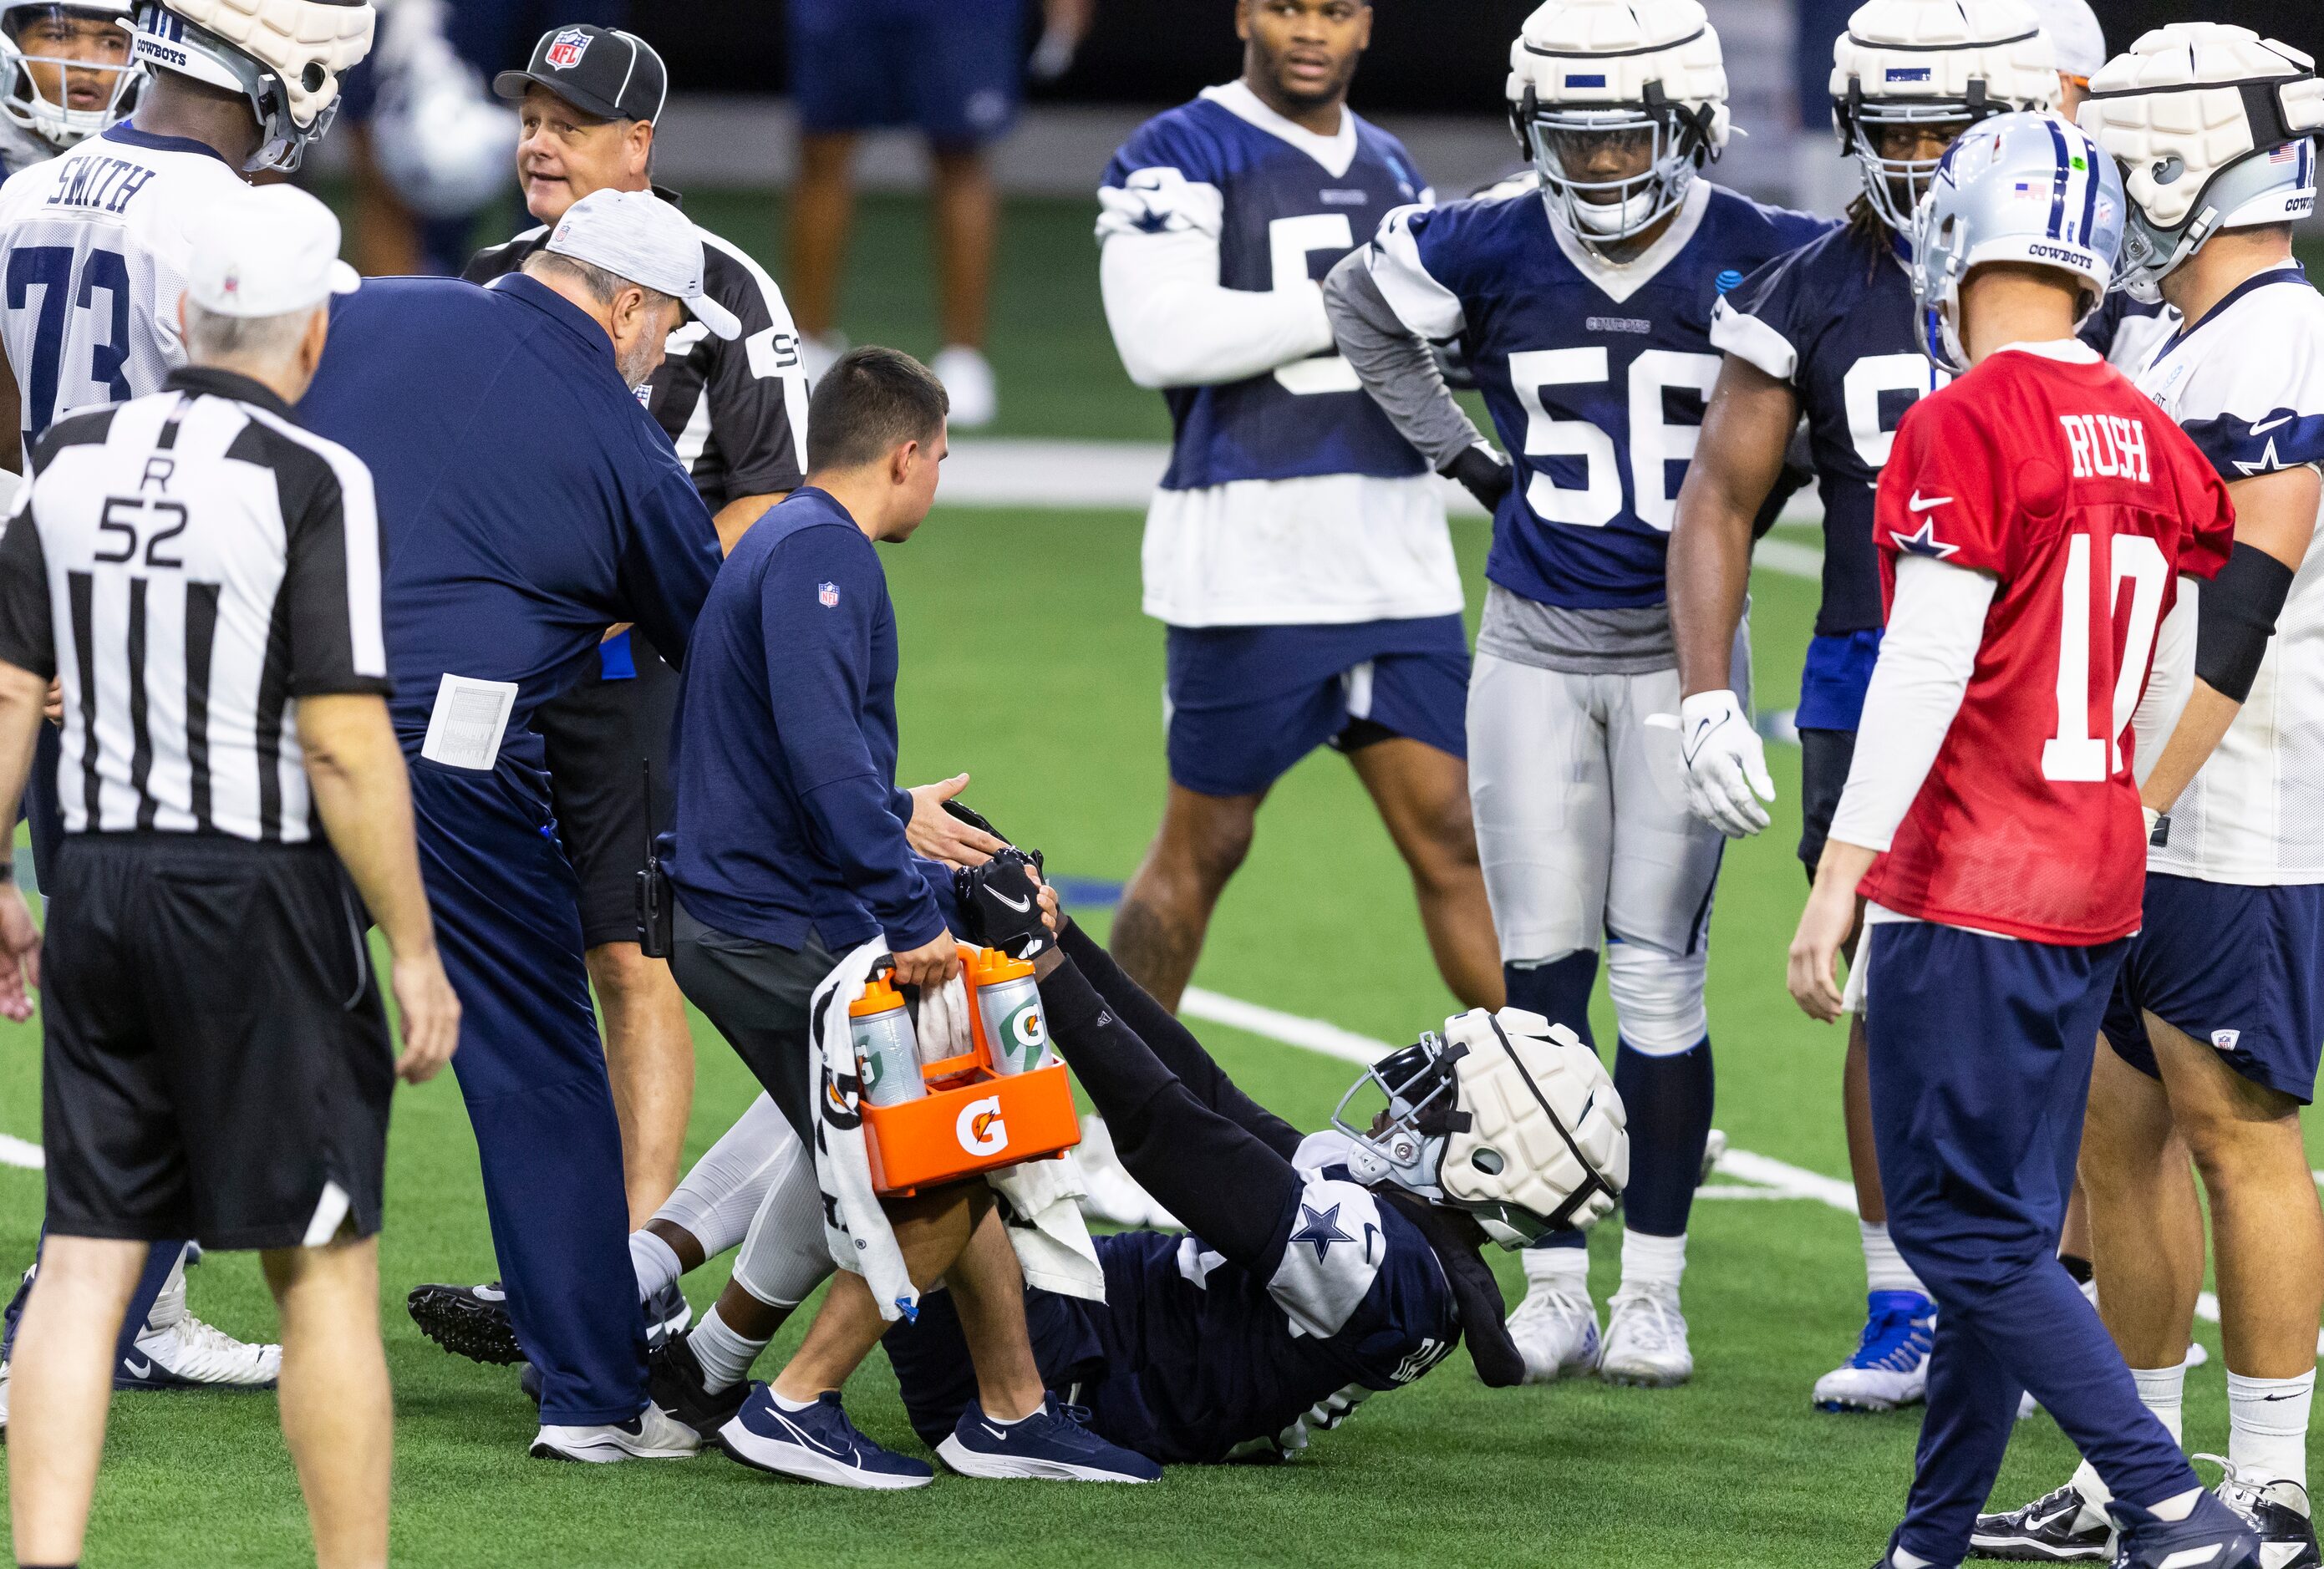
1556,1332
819,354
1646,1340
3,1396
651,1435
967,377
175,1350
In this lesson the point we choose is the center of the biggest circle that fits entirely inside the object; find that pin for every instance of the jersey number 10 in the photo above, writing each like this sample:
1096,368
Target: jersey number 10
2074,756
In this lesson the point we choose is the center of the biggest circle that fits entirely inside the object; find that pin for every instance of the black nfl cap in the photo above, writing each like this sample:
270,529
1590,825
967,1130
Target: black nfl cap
599,71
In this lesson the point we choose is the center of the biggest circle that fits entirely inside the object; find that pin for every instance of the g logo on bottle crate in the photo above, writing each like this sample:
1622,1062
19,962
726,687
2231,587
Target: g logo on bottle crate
980,1130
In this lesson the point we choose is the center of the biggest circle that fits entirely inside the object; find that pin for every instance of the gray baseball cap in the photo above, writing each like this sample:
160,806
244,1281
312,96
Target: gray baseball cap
637,236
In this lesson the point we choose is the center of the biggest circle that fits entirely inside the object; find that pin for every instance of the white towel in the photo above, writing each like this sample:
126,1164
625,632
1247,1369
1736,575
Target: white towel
1045,1223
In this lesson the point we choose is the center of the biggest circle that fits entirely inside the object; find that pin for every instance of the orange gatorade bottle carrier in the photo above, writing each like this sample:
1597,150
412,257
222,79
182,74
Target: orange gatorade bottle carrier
1004,1102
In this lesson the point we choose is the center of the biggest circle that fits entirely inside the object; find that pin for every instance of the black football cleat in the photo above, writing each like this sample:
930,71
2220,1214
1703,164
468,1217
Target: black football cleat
667,1313
2279,1511
674,1381
2058,1528
470,1321
2212,1536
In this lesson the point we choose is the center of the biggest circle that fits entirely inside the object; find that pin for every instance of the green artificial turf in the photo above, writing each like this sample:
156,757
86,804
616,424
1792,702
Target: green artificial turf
1026,664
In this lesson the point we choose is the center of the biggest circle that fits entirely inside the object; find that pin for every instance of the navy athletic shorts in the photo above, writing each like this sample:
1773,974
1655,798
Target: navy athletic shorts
951,67
2240,967
1246,704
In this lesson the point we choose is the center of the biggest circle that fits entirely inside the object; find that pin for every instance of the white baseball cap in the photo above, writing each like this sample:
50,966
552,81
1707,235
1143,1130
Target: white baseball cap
270,249
2075,35
636,235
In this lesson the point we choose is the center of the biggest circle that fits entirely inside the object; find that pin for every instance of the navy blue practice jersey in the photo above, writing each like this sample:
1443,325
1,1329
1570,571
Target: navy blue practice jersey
1278,216
1595,375
1836,320
1204,1356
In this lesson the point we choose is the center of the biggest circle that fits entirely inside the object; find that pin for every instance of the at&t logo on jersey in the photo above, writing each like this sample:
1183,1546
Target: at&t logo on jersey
2107,446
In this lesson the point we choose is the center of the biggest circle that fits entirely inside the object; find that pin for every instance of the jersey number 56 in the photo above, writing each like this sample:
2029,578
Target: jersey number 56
1656,442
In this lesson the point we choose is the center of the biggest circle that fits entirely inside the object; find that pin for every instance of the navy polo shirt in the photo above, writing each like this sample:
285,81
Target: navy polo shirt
789,817
527,501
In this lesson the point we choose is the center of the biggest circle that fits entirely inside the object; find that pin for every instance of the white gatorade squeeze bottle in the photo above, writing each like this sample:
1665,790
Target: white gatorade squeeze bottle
887,1051
1009,1003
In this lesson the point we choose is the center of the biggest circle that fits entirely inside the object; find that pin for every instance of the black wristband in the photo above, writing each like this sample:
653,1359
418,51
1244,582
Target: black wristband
2235,618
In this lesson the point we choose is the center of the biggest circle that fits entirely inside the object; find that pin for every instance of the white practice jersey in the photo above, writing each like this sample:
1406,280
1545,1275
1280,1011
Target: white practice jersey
97,241
2247,384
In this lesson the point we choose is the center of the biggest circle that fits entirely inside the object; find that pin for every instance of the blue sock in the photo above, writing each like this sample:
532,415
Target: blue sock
1558,991
1668,1102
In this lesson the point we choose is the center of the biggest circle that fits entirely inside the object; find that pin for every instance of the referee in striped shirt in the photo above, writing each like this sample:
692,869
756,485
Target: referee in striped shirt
736,411
204,576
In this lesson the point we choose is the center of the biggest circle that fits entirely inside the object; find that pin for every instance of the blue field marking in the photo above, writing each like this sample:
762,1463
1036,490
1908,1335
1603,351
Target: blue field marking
1091,891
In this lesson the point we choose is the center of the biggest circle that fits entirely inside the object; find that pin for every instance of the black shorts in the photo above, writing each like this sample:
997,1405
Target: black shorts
602,736
216,1062
757,995
1824,759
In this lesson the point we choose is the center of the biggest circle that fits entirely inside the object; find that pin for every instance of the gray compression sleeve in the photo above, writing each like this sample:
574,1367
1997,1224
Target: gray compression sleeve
1397,368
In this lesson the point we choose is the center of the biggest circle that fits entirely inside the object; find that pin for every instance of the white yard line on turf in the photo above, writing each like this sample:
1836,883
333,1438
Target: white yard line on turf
1773,1178
16,1152
1122,475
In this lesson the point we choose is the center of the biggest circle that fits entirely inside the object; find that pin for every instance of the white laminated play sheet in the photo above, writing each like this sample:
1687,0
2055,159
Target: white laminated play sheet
470,717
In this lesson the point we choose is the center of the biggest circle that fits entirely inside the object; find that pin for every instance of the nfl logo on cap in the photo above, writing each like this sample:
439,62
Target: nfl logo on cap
827,594
564,51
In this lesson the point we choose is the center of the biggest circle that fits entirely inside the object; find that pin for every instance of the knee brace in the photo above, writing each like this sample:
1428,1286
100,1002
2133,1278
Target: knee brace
1657,997
1558,989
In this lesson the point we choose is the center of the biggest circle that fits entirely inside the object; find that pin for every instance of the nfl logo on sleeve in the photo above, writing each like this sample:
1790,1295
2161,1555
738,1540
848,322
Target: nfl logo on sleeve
828,595
566,50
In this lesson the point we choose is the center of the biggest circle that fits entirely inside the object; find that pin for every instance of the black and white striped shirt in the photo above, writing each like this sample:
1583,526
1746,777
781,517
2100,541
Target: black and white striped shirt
736,411
191,564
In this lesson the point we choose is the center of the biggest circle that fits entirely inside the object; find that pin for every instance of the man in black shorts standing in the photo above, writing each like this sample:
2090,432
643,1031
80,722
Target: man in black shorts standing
737,414
204,576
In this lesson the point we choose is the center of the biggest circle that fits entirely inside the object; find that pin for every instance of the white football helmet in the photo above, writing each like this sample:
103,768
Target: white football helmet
1585,73
2025,188
287,57
58,124
1508,1117
1945,62
2214,128
441,138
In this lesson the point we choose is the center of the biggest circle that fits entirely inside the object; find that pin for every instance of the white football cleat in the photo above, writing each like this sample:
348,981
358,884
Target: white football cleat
1891,1364
651,1435
1556,1333
175,1350
968,382
1646,1340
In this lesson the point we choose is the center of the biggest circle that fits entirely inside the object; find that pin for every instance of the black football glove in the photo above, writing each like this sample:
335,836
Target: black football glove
1483,474
1000,905
976,820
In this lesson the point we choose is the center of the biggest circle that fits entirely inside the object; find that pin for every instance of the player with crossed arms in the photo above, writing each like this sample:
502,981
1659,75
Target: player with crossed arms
2035,520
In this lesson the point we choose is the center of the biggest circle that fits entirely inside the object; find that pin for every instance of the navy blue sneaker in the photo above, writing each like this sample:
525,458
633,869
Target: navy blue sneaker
2211,1536
1053,1445
816,1445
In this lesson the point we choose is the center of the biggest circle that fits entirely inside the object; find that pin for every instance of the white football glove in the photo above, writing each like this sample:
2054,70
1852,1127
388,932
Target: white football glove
1726,764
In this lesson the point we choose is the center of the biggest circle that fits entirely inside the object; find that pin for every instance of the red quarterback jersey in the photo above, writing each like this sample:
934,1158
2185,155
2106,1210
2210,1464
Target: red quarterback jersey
2063,482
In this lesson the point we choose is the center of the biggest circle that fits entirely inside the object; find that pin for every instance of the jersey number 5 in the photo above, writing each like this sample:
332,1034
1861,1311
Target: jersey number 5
1656,442
50,269
1289,242
2074,756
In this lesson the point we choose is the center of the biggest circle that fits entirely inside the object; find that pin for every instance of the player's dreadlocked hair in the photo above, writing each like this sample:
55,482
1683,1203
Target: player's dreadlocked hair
1867,233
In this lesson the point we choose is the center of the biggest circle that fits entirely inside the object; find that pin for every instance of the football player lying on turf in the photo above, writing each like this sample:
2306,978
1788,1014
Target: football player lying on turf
1319,1270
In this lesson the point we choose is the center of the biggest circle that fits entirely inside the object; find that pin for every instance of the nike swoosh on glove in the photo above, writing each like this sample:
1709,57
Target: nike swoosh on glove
1483,473
1726,764
1000,905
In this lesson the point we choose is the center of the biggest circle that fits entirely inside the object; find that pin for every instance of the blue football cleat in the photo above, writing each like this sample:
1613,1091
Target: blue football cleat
2212,1536
1891,1364
816,1445
1053,1445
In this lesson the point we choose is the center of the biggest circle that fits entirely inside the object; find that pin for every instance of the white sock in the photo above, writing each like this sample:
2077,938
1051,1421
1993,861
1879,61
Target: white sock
724,1355
1653,1263
1565,1270
1884,1268
1900,1559
655,1261
783,1403
2162,1390
2177,1506
2267,1425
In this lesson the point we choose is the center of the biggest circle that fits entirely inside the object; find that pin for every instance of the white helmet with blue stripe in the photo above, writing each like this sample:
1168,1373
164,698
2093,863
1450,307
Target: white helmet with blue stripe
2214,128
1642,80
2027,188
1941,63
